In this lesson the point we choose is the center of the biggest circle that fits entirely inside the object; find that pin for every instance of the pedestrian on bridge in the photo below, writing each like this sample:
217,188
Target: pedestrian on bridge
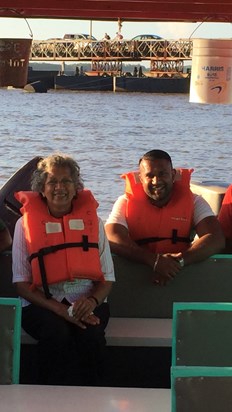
106,37
119,36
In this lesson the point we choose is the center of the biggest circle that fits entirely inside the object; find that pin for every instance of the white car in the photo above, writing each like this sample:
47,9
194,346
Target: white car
80,42
79,36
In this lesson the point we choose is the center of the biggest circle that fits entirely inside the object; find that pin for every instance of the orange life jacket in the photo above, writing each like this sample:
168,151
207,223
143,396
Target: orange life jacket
162,230
61,248
225,213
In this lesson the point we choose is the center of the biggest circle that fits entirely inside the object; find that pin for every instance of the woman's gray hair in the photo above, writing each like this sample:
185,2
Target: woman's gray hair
45,165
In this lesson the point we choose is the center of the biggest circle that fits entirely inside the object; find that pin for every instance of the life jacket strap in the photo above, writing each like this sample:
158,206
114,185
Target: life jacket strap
44,277
85,244
174,239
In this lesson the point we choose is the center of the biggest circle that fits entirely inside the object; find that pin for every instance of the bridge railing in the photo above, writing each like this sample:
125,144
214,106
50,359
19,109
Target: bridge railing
73,50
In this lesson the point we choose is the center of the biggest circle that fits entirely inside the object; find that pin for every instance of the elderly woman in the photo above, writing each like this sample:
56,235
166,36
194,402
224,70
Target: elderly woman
63,271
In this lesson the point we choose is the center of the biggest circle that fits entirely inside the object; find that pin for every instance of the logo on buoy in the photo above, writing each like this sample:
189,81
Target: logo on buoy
218,88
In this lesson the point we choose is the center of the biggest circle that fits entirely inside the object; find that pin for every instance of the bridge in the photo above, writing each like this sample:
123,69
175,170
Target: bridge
165,56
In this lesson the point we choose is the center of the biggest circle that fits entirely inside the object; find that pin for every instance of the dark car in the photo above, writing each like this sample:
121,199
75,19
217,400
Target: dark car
148,44
144,37
152,44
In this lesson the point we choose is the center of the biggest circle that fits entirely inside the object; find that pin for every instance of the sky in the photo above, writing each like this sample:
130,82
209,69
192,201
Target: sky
42,29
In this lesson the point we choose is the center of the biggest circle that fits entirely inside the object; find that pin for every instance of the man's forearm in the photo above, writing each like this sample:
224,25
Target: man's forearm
121,244
202,249
132,251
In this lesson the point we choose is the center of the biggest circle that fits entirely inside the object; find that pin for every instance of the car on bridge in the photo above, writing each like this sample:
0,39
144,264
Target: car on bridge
144,44
80,42
79,36
152,44
146,37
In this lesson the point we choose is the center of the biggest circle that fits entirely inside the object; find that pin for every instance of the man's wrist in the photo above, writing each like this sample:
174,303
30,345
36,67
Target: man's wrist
181,262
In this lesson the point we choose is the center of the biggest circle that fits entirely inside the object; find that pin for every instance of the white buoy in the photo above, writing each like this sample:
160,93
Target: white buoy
211,77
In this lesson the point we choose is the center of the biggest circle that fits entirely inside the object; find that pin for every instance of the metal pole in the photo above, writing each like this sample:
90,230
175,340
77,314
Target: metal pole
90,33
62,67
119,24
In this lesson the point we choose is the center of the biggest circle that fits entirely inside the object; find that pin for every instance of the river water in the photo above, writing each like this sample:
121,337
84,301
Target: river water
108,132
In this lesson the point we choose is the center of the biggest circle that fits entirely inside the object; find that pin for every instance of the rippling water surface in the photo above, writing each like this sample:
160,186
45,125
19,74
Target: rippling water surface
107,133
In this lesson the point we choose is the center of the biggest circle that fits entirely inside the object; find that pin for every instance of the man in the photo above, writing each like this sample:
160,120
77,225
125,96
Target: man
225,218
5,237
106,37
119,36
153,222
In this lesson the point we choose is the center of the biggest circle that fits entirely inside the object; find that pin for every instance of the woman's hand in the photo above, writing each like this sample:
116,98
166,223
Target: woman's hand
83,311
73,315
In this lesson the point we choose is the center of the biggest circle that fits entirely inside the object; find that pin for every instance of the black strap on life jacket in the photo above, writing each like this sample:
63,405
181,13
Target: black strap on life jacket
85,245
174,239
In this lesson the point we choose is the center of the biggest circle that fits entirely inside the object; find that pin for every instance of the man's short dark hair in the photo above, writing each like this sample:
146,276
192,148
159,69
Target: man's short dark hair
156,154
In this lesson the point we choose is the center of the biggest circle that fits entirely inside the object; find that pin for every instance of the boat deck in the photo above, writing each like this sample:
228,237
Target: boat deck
19,398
